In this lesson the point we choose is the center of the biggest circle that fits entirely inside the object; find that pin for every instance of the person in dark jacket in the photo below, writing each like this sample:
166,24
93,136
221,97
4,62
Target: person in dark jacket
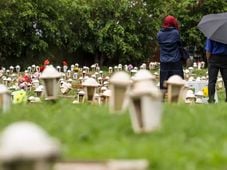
169,42
216,54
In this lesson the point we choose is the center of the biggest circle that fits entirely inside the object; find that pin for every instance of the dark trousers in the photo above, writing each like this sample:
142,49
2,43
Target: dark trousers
216,64
169,69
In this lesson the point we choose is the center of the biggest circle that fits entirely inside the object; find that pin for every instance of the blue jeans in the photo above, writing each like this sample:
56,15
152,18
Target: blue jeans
216,64
169,69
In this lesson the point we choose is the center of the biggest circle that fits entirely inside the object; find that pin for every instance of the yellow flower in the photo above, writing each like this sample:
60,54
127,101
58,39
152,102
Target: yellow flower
205,91
76,69
19,97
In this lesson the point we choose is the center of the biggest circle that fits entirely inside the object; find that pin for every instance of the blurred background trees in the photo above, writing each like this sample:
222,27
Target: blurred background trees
86,31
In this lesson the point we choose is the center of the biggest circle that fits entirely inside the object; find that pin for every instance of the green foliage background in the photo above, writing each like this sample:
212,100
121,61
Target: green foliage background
88,31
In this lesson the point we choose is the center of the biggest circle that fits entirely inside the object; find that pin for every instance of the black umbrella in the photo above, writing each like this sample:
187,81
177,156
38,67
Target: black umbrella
214,26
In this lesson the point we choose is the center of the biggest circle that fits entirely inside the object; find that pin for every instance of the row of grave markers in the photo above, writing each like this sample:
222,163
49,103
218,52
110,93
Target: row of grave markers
138,92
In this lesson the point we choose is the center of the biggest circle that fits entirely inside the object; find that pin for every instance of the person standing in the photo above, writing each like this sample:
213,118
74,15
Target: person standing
216,54
170,57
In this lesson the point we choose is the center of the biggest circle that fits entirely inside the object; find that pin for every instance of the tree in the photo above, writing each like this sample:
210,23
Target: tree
190,13
29,29
116,31
104,31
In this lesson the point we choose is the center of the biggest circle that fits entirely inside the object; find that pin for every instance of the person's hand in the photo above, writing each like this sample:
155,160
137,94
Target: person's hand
208,54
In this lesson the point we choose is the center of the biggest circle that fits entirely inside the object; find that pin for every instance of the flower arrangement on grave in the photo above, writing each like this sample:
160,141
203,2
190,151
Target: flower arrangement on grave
19,97
45,63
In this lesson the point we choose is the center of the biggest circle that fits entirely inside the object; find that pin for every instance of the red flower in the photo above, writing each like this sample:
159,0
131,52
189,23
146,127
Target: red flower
46,62
41,68
27,79
65,63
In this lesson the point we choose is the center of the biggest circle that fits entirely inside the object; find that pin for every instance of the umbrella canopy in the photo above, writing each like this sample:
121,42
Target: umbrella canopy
214,26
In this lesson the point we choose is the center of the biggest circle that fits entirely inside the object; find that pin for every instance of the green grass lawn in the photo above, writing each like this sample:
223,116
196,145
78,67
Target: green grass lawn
192,137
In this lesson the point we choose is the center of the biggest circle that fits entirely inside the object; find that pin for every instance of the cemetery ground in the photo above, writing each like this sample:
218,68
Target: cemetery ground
191,136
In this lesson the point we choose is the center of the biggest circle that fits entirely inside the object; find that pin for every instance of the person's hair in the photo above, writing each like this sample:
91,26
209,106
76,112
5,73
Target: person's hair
170,21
